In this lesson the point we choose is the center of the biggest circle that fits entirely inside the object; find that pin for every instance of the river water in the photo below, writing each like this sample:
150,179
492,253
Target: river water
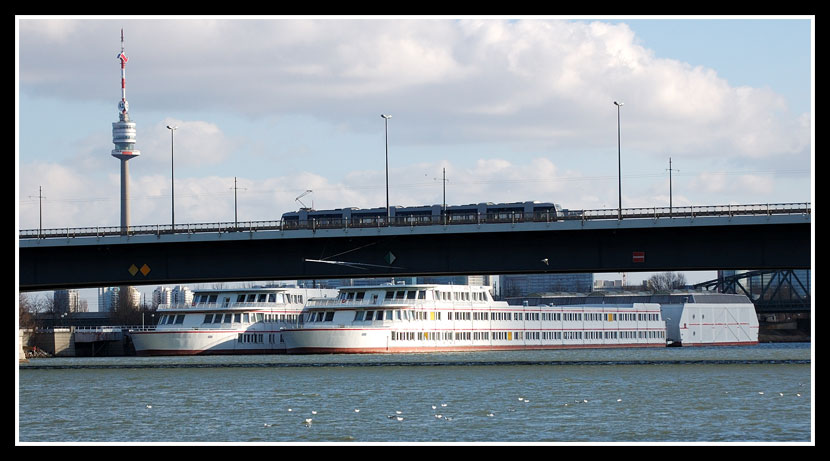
743,394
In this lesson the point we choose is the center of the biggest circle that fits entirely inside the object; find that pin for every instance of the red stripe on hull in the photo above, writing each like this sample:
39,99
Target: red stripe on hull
397,350
167,352
735,343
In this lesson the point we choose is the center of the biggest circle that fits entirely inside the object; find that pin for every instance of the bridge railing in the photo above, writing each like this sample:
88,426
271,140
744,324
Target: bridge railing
769,209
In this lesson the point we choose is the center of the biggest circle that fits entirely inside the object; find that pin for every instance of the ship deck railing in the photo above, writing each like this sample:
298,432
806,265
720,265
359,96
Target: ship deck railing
219,306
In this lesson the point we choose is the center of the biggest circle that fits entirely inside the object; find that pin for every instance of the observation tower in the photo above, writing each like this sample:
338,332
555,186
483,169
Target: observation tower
123,136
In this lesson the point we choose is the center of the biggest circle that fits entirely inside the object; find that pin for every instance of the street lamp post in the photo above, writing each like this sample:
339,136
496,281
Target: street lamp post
386,118
172,200
619,168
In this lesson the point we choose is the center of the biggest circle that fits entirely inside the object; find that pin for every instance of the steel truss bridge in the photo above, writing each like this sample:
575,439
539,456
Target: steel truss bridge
769,290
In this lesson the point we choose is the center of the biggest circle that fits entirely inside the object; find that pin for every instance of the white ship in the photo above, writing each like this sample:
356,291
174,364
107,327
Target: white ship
226,321
437,318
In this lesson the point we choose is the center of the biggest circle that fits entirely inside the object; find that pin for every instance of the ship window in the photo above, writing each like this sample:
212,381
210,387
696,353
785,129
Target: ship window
261,298
212,299
240,298
411,295
389,315
179,319
272,297
246,318
217,318
369,315
398,314
227,318
251,298
329,316
237,318
208,318
259,317
359,295
358,315
399,295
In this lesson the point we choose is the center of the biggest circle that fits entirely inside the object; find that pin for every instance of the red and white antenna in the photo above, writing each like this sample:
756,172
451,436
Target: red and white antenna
123,106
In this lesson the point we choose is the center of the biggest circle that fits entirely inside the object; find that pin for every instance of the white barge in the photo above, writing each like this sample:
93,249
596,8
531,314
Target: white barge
692,318
438,318
226,321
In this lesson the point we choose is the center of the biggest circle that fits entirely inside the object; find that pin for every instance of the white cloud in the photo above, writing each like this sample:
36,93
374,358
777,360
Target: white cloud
502,77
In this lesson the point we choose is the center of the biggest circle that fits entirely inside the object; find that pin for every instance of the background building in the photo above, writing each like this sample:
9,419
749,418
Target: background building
526,284
108,296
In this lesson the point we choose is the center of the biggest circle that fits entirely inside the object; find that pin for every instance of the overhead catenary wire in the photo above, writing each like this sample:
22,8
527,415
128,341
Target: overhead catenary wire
425,184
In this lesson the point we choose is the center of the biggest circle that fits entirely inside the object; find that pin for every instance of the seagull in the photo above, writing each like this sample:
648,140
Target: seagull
489,414
619,400
760,393
148,406
397,412
399,418
438,416
266,425
307,422
290,409
545,261
313,412
443,404
433,407
357,410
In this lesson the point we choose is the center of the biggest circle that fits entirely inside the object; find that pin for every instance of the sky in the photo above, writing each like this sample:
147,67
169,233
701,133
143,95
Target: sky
513,108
